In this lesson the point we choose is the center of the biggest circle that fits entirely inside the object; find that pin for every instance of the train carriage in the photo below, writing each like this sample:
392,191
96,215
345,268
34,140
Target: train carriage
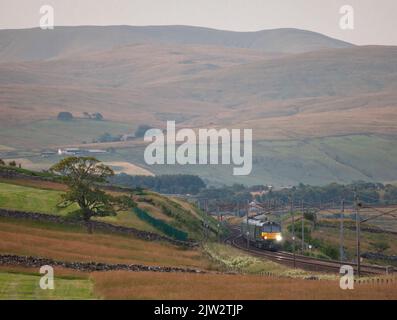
262,234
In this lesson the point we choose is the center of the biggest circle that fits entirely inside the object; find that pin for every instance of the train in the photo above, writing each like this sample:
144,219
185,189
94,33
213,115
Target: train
262,234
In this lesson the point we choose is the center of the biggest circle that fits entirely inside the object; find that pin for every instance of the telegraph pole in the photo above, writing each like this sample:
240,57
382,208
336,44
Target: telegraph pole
248,233
342,214
293,229
358,235
303,228
219,223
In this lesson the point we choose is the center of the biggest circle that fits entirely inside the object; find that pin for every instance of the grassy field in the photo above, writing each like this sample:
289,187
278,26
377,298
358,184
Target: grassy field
368,239
288,162
325,237
22,283
44,133
43,197
25,286
74,244
124,285
28,195
386,222
279,162
24,198
233,260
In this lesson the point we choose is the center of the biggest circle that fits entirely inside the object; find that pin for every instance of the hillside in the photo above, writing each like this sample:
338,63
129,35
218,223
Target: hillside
33,44
167,217
321,110
110,265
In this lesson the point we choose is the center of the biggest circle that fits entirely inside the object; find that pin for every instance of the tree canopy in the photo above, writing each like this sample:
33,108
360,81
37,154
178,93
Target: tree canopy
83,176
65,116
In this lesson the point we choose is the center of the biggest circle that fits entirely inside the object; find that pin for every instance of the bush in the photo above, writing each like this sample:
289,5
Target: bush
331,251
97,116
2,163
12,164
107,137
65,116
140,132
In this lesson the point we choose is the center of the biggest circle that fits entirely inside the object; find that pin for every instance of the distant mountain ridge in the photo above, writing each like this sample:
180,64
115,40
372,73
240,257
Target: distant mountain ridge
37,44
321,110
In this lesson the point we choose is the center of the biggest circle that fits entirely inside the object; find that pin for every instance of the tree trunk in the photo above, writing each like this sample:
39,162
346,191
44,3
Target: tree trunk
88,223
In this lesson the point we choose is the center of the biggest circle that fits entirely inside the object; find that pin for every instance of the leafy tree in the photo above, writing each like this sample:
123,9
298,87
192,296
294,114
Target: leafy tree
97,116
83,176
141,130
107,137
65,116
12,164
2,163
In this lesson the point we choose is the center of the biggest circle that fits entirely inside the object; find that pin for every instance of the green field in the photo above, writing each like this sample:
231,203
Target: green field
282,163
45,133
16,197
21,286
34,199
22,198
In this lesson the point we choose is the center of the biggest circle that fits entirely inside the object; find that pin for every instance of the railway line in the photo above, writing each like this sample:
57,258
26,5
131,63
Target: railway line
300,261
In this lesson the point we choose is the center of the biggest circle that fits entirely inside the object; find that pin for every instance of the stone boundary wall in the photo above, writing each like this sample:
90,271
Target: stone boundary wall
379,256
96,225
12,174
363,228
35,262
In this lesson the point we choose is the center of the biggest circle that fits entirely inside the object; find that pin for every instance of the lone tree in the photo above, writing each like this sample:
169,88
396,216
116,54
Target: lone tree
83,176
141,130
65,116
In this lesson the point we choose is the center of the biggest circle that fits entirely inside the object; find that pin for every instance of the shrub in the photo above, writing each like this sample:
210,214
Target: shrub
12,164
331,251
140,132
65,116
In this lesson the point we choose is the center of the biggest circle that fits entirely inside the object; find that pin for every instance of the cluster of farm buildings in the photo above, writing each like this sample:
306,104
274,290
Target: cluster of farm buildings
73,152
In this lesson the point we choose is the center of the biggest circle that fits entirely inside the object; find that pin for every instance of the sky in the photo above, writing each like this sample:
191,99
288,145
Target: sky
375,20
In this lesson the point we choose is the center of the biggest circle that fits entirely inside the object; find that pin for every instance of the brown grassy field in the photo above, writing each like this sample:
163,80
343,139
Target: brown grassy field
40,184
73,244
198,86
125,285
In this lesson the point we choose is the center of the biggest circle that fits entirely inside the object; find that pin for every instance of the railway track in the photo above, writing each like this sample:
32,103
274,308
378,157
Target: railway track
300,261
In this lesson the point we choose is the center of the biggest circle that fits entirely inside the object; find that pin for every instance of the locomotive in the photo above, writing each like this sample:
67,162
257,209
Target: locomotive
262,234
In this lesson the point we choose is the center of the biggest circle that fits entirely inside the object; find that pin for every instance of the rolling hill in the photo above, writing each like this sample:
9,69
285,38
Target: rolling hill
34,44
292,87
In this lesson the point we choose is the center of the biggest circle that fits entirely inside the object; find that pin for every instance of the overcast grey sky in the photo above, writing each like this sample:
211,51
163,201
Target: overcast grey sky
375,20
